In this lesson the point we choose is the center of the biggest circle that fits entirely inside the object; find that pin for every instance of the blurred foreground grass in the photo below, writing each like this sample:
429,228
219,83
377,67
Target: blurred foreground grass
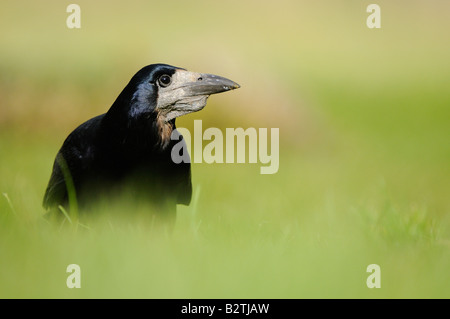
364,157
309,231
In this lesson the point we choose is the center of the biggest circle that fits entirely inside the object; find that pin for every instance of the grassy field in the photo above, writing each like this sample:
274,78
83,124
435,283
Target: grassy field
364,174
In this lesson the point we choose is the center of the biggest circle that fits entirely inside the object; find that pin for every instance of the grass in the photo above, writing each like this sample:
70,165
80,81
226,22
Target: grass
363,177
305,232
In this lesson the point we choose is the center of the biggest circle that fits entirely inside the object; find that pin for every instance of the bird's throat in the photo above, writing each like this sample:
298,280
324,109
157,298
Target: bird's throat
165,129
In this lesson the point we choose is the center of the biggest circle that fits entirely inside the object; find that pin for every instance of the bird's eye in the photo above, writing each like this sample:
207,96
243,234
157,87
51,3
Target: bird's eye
164,80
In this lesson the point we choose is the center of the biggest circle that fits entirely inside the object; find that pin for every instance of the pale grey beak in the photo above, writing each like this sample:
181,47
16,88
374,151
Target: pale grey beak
189,92
207,84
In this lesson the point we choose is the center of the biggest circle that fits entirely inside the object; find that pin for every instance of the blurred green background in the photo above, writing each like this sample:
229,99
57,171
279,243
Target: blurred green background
364,149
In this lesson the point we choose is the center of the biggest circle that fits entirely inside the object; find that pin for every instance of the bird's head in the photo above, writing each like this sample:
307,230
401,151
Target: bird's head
159,93
170,91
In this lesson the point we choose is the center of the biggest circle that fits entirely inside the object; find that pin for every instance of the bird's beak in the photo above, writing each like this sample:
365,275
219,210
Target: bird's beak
189,91
207,84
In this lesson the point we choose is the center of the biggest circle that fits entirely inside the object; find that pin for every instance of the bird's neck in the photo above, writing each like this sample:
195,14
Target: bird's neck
147,131
165,129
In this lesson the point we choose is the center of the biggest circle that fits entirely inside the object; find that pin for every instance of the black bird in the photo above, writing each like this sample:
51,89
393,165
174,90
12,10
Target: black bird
129,147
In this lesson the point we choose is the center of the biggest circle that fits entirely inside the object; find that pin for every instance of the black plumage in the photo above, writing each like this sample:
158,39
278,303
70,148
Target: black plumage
129,147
